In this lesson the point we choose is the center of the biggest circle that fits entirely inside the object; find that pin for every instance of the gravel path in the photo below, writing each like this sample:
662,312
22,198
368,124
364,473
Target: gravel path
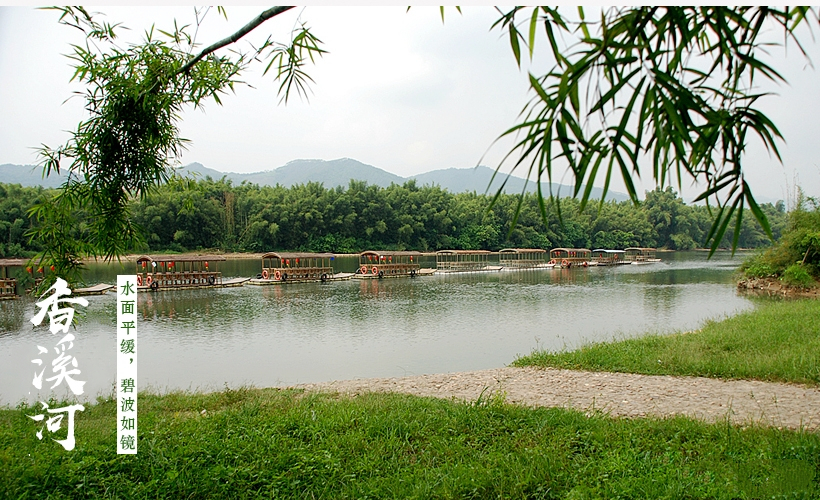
621,394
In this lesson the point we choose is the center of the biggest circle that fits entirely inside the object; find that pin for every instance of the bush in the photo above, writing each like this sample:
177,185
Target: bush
796,275
760,266
760,270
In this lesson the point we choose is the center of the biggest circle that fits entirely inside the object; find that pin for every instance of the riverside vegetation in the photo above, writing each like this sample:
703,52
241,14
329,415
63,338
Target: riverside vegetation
188,215
274,443
269,443
795,259
778,341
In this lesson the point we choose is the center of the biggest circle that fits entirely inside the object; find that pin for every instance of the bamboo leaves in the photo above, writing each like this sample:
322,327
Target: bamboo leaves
663,86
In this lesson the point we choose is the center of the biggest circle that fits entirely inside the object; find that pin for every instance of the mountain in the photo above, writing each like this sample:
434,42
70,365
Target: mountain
331,174
339,172
28,175
478,178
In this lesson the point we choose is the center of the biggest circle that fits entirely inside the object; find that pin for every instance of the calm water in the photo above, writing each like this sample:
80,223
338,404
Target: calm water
274,335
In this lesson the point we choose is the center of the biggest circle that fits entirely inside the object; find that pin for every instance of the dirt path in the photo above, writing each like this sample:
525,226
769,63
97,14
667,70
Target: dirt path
621,394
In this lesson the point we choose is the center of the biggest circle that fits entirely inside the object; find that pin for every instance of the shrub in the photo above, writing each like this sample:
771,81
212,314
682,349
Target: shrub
759,270
796,275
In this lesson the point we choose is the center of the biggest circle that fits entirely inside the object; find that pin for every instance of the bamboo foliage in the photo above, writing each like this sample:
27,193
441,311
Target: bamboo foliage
666,90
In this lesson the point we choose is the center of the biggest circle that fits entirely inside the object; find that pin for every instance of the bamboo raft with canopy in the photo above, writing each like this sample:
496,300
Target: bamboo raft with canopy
297,267
8,283
389,264
524,258
177,272
640,255
464,261
569,257
602,257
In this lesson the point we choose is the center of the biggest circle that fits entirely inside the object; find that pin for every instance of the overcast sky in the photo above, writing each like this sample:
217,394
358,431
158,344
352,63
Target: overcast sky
397,90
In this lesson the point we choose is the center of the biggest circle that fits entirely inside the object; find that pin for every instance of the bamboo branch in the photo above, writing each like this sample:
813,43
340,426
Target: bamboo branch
261,18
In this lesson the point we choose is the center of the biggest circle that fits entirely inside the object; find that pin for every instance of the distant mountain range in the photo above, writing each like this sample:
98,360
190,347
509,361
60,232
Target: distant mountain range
28,175
331,174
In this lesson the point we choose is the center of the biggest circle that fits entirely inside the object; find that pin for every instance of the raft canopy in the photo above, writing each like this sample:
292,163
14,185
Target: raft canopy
297,266
387,253
180,258
162,271
464,252
640,253
13,262
8,285
522,250
606,257
571,254
297,255
389,263
521,257
462,260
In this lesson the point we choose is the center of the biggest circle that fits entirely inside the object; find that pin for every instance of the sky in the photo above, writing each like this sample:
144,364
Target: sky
398,90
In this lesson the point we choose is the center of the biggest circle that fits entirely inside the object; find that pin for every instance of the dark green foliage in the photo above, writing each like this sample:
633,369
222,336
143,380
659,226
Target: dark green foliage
796,256
796,275
249,443
15,203
188,215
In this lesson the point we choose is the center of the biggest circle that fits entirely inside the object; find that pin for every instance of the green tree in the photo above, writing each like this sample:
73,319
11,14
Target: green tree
131,140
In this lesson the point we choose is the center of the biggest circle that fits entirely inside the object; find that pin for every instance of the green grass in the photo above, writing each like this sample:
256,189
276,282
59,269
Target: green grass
778,341
285,444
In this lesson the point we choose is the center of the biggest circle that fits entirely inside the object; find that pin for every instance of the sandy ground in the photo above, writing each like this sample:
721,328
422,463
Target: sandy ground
743,402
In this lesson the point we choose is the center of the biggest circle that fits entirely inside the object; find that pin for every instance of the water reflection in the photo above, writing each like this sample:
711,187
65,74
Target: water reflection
12,316
267,335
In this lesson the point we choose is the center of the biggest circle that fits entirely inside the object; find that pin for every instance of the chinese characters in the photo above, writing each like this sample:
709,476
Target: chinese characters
126,364
64,366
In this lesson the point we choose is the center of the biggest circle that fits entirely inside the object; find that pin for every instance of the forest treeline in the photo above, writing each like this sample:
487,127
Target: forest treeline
186,214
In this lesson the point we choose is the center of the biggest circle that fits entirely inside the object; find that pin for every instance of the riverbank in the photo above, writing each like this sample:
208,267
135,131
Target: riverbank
777,341
509,432
272,443
775,287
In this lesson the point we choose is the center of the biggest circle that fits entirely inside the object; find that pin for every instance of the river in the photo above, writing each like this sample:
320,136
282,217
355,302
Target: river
286,334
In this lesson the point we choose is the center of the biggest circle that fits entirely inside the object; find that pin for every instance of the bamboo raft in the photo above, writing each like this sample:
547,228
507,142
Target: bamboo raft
464,261
601,257
178,272
297,267
100,289
640,255
570,257
524,258
389,264
8,284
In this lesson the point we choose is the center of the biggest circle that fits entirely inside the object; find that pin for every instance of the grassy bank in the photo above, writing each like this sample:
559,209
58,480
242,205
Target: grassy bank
778,341
284,444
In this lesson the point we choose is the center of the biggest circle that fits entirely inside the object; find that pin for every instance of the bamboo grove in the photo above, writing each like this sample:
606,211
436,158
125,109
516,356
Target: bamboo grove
189,215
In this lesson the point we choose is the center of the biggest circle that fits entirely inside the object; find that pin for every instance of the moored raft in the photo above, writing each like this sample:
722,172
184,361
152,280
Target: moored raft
602,257
8,283
640,255
464,261
389,264
297,267
176,272
523,258
100,289
569,257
